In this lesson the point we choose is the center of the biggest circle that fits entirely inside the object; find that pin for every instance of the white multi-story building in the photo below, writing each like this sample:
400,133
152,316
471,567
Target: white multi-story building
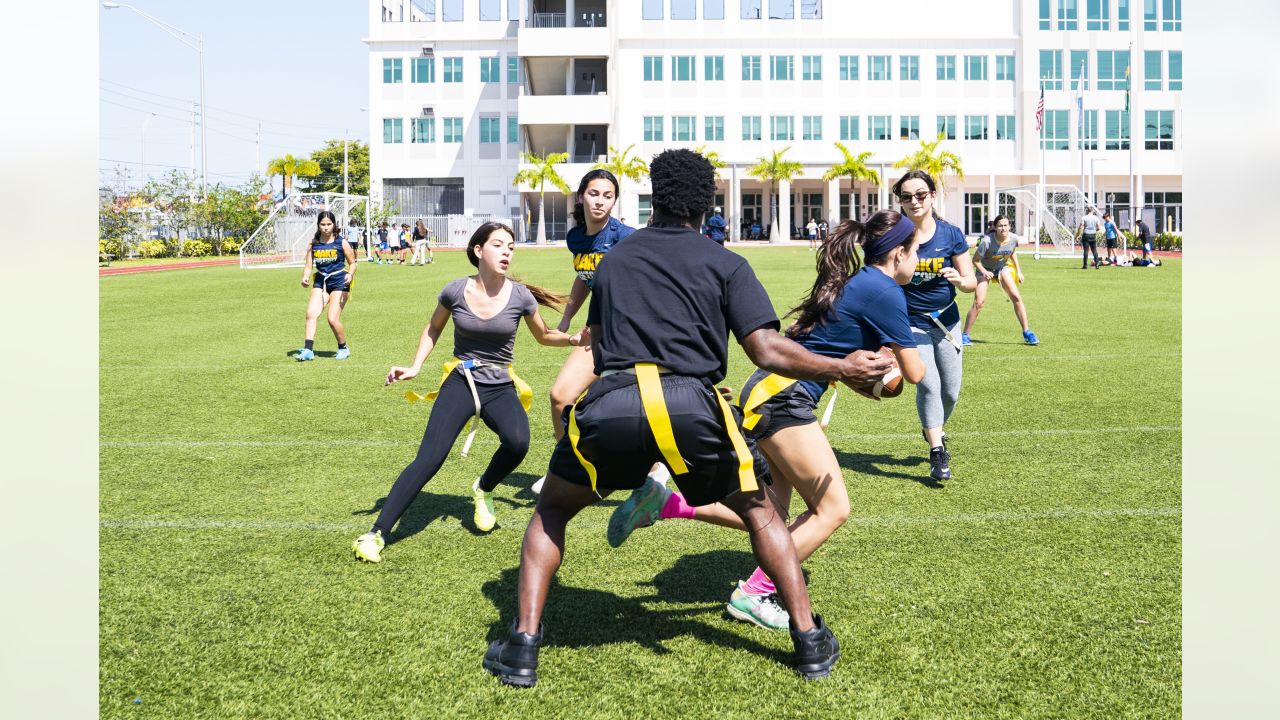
459,88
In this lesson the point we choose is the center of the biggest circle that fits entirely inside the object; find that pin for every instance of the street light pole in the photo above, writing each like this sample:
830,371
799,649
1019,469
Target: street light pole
142,148
182,37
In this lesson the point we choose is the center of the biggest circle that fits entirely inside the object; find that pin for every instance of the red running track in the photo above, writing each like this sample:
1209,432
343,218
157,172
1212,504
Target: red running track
167,266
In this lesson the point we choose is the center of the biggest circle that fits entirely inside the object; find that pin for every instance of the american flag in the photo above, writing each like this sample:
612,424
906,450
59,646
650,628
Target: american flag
1040,110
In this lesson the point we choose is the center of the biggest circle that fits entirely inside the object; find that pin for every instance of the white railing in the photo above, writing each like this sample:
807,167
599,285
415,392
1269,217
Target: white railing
548,20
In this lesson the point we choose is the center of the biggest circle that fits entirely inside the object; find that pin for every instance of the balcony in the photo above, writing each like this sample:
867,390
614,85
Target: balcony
564,109
552,31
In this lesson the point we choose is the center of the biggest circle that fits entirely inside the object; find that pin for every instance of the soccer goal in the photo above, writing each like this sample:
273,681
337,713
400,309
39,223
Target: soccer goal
282,239
1056,210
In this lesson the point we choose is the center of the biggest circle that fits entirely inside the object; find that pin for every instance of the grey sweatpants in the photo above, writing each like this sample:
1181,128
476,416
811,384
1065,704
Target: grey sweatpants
937,394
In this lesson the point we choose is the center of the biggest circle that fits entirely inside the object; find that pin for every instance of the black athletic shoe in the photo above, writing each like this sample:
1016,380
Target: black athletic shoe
925,435
817,650
514,661
940,463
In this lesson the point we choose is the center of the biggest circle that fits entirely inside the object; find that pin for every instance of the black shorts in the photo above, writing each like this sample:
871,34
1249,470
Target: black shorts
616,439
337,281
789,408
1113,243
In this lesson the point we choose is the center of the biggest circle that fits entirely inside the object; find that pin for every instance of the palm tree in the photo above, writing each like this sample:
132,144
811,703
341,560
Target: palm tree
712,157
937,163
774,169
853,167
289,166
542,172
622,166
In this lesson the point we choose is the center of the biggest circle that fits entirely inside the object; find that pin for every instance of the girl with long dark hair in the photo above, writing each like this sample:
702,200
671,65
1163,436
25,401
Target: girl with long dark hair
335,273
478,383
996,257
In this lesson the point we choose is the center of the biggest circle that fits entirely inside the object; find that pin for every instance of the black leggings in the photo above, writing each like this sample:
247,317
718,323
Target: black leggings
450,413
1086,244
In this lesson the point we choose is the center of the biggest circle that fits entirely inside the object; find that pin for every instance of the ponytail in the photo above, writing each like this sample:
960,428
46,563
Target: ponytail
543,296
837,262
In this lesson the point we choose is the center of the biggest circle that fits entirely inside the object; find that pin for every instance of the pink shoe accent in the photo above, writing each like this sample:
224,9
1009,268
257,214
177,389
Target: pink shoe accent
759,584
676,507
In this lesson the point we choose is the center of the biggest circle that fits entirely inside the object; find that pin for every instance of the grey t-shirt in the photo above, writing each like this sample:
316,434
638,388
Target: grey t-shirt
489,340
992,255
1091,224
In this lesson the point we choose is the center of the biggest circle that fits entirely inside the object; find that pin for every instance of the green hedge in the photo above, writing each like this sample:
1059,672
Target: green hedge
113,247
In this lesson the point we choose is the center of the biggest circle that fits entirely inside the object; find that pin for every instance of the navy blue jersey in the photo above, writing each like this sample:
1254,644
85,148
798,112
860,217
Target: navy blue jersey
928,290
328,258
589,250
870,313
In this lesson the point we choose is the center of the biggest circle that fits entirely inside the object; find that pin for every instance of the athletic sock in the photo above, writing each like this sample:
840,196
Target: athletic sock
342,346
309,344
759,584
676,507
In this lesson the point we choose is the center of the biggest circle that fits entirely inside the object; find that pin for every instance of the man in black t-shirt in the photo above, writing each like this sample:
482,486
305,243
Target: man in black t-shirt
661,312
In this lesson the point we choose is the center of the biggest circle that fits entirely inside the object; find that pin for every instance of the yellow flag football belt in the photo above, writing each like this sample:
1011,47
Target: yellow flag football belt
771,385
522,390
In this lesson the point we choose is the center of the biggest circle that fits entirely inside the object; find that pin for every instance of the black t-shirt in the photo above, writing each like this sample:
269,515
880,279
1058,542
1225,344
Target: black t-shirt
670,296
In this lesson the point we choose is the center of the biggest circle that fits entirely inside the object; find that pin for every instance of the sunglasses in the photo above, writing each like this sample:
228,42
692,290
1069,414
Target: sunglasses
920,195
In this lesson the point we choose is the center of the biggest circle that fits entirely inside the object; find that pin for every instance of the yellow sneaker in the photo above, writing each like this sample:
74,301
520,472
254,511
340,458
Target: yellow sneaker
484,516
368,547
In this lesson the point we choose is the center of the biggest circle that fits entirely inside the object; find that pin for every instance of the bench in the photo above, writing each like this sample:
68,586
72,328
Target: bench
104,259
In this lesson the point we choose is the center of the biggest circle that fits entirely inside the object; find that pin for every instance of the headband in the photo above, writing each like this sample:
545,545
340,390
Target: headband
875,247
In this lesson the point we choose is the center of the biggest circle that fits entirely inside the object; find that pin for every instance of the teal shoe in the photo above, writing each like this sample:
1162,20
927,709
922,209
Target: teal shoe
642,509
342,354
305,354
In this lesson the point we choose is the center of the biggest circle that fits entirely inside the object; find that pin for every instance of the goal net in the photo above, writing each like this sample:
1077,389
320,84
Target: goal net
282,239
1056,209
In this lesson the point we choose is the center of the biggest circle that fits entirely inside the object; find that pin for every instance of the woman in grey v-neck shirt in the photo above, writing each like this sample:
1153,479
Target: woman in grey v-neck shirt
481,384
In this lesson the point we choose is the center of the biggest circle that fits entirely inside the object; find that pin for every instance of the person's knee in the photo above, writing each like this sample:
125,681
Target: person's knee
561,397
515,440
979,303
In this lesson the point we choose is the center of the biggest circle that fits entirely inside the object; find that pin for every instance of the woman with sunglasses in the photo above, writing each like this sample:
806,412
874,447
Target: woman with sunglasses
943,266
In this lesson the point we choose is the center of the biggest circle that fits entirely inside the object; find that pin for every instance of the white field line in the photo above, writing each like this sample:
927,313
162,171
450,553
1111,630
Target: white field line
1010,516
355,442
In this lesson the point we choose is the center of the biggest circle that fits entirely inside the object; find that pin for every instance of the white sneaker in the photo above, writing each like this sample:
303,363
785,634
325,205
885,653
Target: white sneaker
368,547
536,488
660,474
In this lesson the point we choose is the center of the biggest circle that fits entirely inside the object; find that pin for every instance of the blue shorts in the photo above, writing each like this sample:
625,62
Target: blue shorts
332,283
382,245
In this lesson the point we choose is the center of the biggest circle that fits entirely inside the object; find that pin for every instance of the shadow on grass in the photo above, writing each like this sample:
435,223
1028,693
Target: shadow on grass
871,464
426,508
582,617
293,354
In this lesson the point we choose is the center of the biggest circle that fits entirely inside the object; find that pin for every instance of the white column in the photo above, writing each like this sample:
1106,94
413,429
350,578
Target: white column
569,19
993,203
766,208
734,205
833,204
784,212
883,188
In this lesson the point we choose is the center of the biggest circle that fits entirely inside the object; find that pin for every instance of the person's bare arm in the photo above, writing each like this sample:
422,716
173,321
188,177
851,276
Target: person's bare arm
770,350
577,297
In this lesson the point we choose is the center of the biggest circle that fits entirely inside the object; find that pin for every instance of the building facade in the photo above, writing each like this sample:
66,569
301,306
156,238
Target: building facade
460,88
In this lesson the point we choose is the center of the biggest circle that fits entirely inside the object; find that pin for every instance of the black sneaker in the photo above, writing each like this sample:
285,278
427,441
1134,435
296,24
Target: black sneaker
817,650
514,661
940,463
925,435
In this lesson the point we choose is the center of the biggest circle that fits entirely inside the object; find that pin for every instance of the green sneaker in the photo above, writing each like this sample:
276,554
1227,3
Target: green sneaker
484,517
642,509
763,610
368,547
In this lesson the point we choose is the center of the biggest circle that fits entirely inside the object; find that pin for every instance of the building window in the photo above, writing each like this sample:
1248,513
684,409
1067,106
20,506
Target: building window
713,67
1045,15
1152,70
975,67
782,9
422,130
1068,15
879,68
879,127
1117,129
490,129
713,128
1005,68
1150,16
782,67
513,129
682,128
750,9
1122,15
489,72
1113,69
683,9
682,68
812,127
782,127
849,129
653,68
1175,69
712,9
1167,208
750,67
909,127
1097,15
645,210
908,67
1053,136
451,10
453,70
1079,68
423,70
848,67
453,130
947,127
1005,127
811,67
653,128
392,70
1051,69
975,213
1173,15
810,9
751,127
490,10
1089,131
975,127
1159,130
651,9
946,67
392,130
514,74
513,10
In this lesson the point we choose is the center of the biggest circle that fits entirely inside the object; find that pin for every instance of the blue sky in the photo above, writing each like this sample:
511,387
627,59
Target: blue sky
298,67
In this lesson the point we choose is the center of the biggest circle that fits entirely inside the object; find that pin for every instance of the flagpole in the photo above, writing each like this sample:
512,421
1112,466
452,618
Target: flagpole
1080,127
1128,109
1040,188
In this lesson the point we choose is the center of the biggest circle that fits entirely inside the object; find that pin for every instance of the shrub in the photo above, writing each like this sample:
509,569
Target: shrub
231,246
197,248
114,247
154,249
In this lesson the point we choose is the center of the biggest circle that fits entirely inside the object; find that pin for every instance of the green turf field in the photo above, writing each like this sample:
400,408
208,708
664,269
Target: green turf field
1043,581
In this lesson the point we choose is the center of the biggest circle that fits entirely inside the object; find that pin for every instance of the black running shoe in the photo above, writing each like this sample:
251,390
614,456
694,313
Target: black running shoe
514,661
817,650
940,463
